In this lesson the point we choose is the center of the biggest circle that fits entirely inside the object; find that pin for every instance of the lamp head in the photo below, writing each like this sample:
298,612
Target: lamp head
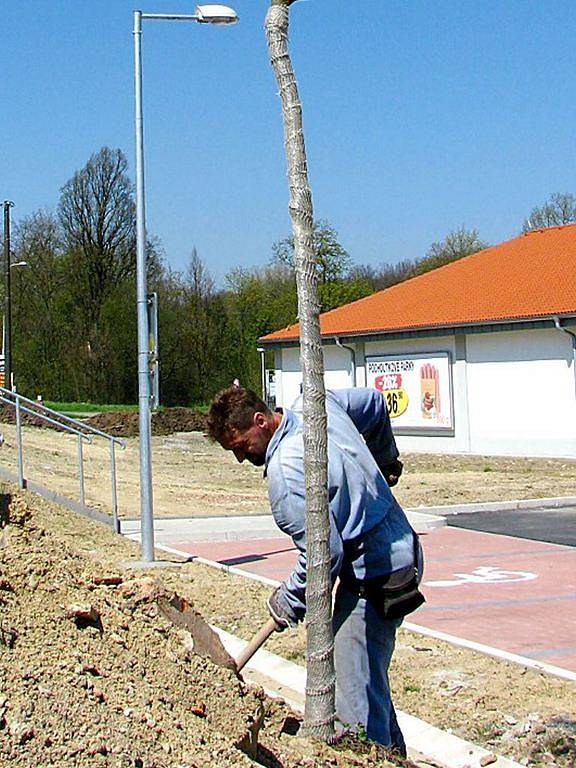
216,14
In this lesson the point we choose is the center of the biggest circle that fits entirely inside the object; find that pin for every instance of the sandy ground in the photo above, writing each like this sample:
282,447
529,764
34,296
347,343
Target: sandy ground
124,691
514,711
92,673
193,477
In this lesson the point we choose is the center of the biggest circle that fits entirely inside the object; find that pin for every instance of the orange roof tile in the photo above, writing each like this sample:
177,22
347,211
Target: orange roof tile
530,276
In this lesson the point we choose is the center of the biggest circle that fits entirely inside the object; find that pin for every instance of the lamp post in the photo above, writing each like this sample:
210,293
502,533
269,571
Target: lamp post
7,304
261,351
204,14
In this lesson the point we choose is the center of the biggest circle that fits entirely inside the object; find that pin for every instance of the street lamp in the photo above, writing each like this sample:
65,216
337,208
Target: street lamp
204,14
261,351
7,305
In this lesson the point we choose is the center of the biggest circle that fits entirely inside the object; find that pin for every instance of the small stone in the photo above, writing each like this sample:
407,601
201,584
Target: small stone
91,669
83,612
108,580
99,695
488,759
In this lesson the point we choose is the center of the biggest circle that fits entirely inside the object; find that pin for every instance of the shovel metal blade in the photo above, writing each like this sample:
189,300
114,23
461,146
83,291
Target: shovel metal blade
206,641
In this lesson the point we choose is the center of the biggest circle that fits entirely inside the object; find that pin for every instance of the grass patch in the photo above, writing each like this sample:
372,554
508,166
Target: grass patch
87,407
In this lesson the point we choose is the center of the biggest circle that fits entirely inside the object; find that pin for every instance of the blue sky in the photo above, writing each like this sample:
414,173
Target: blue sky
420,116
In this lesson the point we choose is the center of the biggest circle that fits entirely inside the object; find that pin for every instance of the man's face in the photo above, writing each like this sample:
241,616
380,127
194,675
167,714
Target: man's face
250,443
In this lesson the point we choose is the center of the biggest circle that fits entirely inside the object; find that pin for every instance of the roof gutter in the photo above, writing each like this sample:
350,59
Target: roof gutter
352,358
428,329
560,327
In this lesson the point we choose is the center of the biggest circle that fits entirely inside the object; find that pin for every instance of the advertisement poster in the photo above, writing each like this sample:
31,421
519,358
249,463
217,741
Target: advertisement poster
417,389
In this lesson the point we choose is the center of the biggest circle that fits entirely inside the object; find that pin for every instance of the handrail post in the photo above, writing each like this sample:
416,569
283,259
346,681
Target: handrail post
115,521
81,468
19,458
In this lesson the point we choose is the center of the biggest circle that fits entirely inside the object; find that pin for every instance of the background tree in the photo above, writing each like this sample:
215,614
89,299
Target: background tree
41,305
98,219
457,244
320,682
377,278
332,260
559,209
193,332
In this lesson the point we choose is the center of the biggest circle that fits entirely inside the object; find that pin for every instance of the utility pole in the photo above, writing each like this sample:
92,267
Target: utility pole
7,304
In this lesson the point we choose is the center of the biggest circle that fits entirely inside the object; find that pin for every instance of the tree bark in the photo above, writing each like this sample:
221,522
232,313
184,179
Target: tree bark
320,684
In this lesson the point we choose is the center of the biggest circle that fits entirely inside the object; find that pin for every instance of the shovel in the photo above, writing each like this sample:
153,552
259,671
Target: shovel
206,641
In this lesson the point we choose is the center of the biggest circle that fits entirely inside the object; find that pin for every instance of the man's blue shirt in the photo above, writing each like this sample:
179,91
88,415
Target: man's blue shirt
370,535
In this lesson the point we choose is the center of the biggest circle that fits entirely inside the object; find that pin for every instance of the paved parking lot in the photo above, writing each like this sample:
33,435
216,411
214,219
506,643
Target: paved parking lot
554,525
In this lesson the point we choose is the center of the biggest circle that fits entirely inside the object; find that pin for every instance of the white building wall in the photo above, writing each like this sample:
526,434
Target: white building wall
521,393
337,367
513,393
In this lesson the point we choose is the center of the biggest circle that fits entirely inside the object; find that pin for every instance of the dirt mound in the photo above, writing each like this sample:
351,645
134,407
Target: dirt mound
121,423
91,673
165,422
8,416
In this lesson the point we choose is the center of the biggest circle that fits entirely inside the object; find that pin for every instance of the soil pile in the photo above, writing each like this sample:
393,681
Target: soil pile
92,673
165,422
121,423
8,416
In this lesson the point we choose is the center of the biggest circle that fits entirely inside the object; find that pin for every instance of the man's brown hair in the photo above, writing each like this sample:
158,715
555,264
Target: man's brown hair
233,408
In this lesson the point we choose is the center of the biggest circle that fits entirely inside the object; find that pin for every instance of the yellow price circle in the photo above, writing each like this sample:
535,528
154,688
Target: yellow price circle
396,401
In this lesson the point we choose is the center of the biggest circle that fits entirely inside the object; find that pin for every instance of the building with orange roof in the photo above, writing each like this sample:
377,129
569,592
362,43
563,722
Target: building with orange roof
477,356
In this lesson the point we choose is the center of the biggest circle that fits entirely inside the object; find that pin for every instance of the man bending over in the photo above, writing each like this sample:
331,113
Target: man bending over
375,554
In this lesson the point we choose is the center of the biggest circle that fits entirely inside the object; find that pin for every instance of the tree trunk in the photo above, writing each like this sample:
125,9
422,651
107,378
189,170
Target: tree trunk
320,684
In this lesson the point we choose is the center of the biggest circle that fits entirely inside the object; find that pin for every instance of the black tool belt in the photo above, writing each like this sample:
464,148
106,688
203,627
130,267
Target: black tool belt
395,595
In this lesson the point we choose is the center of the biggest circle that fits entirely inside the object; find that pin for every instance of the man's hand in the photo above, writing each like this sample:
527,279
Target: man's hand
278,613
392,472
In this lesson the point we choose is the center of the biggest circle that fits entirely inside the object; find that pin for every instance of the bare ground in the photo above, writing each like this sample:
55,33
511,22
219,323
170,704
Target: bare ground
512,710
194,477
92,674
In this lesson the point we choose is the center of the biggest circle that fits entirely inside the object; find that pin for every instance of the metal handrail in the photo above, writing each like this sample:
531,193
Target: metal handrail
42,416
40,408
82,430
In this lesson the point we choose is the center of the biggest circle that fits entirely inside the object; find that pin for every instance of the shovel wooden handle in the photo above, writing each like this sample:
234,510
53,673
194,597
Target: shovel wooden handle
257,641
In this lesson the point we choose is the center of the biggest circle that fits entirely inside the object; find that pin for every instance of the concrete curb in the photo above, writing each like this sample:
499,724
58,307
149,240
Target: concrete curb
289,681
497,506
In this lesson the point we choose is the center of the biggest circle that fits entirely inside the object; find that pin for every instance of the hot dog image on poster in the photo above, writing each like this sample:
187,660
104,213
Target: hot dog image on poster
417,388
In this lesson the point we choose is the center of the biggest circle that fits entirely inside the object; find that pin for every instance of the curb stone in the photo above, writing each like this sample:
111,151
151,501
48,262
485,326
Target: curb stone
496,506
288,680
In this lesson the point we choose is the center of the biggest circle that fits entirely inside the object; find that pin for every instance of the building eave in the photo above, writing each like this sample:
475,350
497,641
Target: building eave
486,326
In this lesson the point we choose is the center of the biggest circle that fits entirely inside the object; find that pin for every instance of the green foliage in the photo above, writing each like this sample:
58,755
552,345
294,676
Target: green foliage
338,292
332,260
457,244
559,209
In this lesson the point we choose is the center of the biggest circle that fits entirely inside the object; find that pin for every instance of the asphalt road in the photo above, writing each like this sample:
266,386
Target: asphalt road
556,526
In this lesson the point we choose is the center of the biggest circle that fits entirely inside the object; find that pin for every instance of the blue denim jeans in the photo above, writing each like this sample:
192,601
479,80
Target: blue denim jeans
363,647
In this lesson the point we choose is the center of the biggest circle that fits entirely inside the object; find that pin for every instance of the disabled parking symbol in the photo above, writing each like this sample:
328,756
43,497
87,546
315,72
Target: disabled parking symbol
484,574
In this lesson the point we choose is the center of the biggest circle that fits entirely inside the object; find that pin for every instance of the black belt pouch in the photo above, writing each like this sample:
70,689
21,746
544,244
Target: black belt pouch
396,595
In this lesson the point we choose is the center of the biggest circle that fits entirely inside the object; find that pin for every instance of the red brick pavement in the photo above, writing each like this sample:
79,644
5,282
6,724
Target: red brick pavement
513,594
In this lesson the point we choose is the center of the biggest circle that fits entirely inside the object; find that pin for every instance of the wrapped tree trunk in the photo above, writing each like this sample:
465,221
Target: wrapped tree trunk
320,685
